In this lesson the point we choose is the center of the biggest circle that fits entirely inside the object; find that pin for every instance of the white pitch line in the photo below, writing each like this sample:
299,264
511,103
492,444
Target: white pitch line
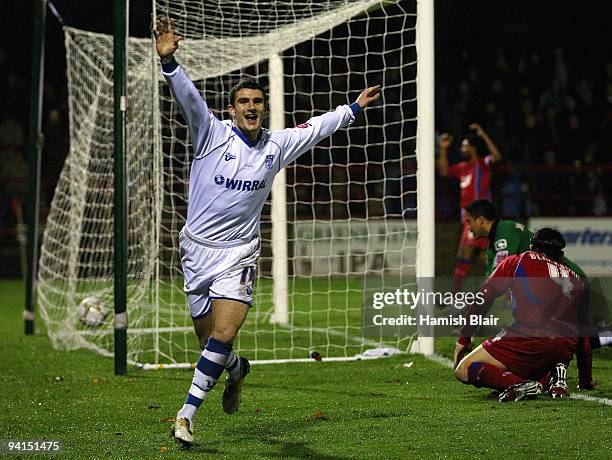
444,361
606,401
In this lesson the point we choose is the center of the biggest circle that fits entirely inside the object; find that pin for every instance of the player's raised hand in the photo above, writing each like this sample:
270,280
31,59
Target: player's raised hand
476,127
368,95
445,141
166,38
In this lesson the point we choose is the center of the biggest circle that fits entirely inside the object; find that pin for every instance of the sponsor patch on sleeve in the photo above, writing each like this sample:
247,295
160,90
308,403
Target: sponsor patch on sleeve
499,256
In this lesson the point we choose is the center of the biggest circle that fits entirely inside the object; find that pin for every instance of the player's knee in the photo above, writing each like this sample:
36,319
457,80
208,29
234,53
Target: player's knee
225,334
461,372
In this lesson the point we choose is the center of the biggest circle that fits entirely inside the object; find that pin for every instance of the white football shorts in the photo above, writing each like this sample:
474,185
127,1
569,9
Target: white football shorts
212,272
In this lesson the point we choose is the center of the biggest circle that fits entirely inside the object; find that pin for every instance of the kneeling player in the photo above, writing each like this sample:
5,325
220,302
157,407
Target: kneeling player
533,353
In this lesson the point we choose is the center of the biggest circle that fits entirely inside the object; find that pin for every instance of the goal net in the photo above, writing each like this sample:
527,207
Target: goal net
343,223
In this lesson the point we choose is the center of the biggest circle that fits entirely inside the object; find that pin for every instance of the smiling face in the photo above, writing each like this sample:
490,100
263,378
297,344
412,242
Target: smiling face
248,111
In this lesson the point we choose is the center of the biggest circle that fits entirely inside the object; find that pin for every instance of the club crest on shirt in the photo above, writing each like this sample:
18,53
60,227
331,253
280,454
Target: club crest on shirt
269,161
501,244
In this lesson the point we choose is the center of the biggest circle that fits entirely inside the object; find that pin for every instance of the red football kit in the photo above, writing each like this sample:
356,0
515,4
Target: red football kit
547,308
475,184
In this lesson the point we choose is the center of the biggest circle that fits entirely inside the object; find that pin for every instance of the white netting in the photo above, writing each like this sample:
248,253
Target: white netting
351,200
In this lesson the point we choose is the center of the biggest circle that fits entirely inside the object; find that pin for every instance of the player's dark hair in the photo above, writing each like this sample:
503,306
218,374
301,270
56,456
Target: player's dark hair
549,242
477,142
482,208
248,83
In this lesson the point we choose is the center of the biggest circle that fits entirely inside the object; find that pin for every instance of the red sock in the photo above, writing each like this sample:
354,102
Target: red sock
487,375
462,270
545,380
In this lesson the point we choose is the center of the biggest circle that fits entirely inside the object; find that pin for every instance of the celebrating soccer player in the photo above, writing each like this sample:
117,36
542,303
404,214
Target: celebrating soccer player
474,175
533,353
234,165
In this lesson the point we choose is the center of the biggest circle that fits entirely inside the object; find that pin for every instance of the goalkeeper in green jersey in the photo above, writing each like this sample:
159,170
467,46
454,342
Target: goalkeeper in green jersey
506,237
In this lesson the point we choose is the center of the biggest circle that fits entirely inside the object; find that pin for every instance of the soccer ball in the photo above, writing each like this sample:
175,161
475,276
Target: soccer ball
92,311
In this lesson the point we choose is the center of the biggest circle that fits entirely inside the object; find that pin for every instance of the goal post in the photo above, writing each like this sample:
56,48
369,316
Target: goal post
120,45
35,139
426,141
278,214
343,220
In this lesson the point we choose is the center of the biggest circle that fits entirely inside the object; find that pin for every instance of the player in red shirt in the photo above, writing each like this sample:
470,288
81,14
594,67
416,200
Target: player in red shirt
474,175
547,305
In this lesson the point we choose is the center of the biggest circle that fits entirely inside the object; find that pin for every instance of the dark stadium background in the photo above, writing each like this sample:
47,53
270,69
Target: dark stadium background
536,74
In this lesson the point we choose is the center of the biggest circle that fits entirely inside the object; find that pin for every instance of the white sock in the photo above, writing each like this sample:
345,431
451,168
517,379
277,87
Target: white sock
187,411
208,370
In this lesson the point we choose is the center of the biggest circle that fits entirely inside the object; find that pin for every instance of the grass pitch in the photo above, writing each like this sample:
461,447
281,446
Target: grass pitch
367,409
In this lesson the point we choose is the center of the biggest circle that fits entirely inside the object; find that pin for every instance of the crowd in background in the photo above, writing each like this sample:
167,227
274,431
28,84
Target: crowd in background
14,121
551,120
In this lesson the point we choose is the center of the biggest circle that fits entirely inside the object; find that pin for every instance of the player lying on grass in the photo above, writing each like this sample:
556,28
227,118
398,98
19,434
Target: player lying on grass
547,305
474,176
234,164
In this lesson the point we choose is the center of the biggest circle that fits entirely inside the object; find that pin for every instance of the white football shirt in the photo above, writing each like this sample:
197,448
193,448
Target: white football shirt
230,176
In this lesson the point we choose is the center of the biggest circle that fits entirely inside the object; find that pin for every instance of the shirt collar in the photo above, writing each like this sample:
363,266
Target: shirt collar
246,139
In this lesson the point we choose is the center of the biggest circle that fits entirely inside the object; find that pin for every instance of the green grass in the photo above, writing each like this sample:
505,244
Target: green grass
371,409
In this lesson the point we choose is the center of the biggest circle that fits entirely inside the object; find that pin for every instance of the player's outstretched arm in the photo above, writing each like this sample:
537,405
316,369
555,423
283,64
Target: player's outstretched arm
368,96
204,127
167,40
296,141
